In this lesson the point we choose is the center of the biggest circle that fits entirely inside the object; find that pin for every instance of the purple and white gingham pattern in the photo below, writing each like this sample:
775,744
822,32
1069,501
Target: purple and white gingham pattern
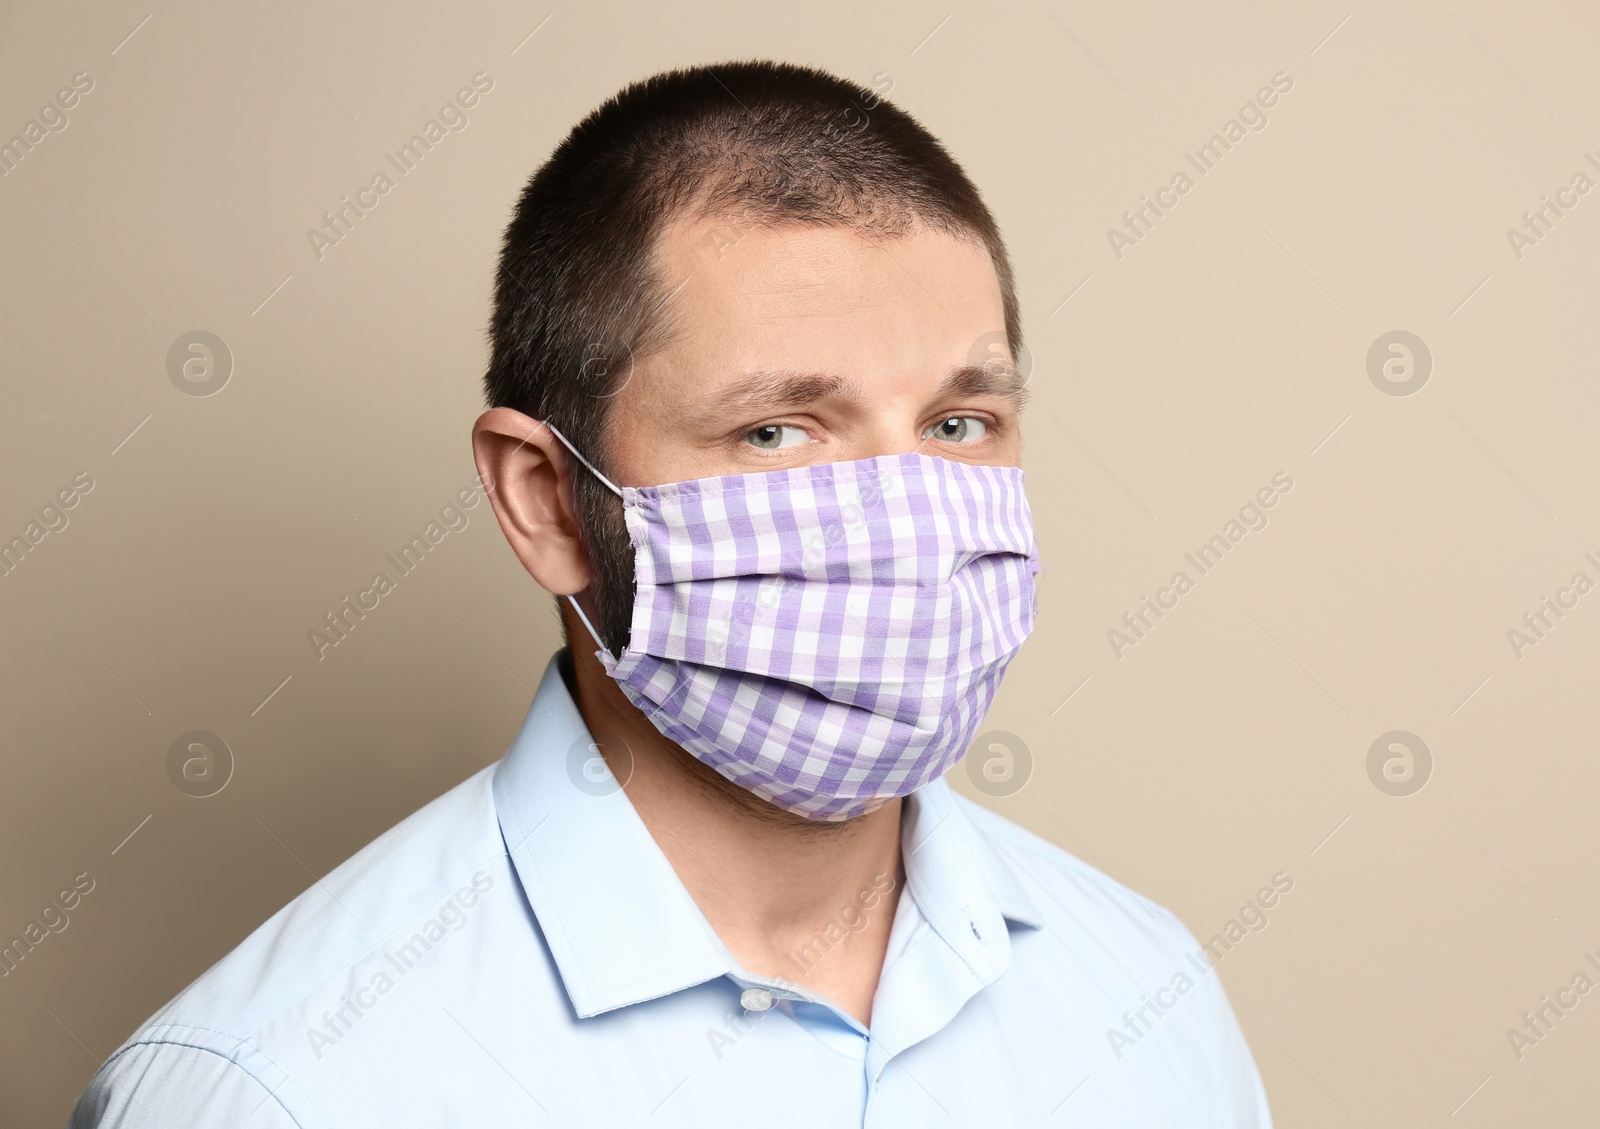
830,636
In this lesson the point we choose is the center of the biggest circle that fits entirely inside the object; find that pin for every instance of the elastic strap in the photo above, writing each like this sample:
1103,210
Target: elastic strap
571,600
611,486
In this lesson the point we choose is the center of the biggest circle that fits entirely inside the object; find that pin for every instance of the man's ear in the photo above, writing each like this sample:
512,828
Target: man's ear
529,480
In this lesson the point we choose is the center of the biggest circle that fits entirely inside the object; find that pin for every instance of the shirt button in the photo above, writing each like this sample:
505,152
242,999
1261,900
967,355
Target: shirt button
755,999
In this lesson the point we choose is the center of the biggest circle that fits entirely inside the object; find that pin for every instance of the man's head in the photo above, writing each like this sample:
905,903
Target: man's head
734,269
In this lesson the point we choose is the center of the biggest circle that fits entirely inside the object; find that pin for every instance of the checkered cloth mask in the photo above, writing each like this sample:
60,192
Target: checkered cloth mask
828,637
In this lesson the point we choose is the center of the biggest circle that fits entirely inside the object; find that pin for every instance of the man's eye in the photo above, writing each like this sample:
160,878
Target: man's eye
958,429
776,436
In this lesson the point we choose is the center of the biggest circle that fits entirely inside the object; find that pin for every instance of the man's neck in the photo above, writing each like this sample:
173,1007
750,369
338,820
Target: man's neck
793,899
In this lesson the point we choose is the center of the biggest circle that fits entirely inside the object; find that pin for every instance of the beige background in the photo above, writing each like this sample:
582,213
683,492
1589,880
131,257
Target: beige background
1229,345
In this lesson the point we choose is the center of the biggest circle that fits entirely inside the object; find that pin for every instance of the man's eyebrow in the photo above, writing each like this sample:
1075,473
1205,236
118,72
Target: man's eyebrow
768,390
771,390
992,378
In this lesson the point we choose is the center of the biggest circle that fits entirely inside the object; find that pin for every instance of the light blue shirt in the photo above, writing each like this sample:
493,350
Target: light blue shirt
520,953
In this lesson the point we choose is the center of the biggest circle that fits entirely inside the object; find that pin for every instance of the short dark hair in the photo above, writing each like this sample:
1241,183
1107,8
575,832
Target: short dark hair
579,297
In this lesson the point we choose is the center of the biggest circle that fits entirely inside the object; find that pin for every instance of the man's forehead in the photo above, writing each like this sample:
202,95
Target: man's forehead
736,252
751,300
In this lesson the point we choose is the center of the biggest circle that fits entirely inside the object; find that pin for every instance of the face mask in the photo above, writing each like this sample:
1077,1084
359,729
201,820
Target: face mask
828,637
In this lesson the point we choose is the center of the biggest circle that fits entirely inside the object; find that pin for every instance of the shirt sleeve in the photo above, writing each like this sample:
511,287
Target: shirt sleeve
172,1086
1241,1097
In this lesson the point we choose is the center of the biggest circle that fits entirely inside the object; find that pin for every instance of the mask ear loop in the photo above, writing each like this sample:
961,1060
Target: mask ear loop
609,485
578,608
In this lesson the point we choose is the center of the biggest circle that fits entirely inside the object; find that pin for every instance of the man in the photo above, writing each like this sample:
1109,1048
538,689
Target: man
719,875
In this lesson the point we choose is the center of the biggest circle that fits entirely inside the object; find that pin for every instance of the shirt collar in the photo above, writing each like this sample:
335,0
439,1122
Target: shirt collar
955,872
618,922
